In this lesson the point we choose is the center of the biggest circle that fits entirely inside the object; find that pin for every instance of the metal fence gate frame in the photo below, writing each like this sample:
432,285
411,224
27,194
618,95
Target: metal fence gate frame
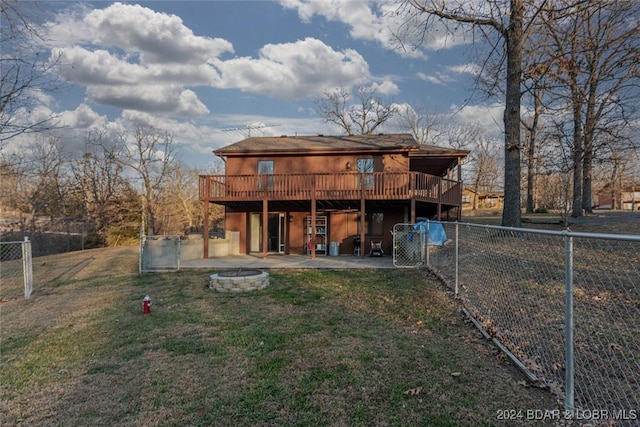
409,246
16,263
159,254
412,243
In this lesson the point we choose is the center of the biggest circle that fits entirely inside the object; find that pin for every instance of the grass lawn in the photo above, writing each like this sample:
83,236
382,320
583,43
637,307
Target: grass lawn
335,348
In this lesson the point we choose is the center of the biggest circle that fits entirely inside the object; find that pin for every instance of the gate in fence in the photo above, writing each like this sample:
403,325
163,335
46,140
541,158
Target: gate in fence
409,245
159,254
412,243
16,270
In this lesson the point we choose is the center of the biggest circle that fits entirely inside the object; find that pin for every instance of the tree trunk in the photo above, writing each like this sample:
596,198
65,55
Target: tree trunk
578,152
588,135
531,151
577,179
511,214
587,168
531,180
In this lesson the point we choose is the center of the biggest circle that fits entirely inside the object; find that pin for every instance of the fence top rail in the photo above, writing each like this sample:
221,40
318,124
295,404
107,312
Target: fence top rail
563,233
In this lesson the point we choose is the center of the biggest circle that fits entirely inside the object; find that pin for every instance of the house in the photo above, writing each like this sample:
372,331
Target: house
469,198
620,197
481,200
317,194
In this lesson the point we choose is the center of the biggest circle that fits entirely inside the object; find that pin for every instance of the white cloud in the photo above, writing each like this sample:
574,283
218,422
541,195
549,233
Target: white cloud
82,117
437,78
470,69
150,98
132,57
489,117
100,66
381,21
156,37
366,20
293,70
387,87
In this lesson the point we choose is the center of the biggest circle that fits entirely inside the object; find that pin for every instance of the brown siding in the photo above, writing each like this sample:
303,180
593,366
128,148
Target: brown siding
315,164
395,163
296,230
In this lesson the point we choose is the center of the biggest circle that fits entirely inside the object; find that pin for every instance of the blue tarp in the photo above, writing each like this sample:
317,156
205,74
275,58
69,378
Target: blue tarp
434,230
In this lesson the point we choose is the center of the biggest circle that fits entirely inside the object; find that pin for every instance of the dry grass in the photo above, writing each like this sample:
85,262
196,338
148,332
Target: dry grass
514,284
314,348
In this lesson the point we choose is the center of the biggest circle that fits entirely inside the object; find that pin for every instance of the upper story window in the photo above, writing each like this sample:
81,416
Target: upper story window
366,166
265,168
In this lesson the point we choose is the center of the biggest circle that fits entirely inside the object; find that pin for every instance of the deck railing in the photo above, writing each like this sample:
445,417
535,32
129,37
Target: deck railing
331,186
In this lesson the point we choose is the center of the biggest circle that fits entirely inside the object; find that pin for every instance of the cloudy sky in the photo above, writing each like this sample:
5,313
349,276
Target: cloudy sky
201,69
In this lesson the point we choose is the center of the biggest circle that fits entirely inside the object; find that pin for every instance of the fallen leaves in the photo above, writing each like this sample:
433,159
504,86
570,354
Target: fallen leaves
615,347
414,391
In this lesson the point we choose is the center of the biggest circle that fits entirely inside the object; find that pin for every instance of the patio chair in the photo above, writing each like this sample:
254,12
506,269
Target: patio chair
376,248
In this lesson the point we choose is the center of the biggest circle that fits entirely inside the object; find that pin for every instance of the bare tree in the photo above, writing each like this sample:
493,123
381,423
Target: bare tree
507,19
357,113
148,153
100,185
180,206
595,51
422,123
35,182
24,71
482,166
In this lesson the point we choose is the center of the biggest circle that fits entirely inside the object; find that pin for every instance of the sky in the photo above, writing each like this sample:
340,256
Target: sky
215,72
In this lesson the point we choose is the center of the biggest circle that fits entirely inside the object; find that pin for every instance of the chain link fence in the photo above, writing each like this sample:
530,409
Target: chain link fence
411,241
565,306
16,270
408,246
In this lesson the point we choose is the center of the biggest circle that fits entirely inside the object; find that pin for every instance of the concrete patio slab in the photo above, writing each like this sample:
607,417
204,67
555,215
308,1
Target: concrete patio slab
276,261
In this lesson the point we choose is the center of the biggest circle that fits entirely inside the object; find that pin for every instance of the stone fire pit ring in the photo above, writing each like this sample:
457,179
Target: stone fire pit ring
239,280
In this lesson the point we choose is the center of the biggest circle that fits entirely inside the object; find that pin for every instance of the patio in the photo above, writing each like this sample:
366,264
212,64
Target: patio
275,261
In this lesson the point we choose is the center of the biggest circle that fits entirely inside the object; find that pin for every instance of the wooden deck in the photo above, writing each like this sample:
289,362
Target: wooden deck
381,186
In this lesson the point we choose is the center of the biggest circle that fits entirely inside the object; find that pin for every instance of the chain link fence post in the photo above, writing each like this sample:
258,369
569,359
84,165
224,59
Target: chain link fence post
16,269
27,268
457,258
568,328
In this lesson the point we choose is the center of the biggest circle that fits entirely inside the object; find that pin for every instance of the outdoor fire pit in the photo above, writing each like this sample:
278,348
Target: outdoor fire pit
239,280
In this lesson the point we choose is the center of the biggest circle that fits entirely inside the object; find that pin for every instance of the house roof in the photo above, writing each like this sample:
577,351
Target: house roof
425,158
321,144
624,187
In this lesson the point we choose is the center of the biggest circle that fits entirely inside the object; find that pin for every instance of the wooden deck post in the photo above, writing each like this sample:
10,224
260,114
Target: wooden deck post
313,219
439,215
363,214
461,188
265,226
412,193
205,231
205,228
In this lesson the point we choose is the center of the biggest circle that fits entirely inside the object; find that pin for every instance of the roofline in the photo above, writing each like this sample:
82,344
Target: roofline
311,152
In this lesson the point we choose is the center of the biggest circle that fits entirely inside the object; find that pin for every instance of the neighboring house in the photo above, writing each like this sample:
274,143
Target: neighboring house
468,198
313,194
481,200
626,197
491,201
